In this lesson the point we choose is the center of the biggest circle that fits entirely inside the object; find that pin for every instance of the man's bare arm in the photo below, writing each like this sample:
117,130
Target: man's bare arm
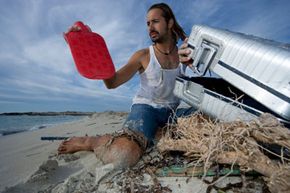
127,71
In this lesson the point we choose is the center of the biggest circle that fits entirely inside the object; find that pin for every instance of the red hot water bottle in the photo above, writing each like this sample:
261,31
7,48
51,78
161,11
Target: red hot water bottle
90,53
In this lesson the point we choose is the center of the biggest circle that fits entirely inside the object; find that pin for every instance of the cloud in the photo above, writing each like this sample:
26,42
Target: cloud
40,63
269,21
36,64
200,11
50,54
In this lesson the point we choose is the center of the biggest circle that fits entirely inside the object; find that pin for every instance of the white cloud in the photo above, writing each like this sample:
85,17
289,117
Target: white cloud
36,62
271,23
51,54
199,11
43,65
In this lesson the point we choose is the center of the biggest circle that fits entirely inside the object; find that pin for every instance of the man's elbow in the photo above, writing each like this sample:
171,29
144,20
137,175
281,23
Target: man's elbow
110,85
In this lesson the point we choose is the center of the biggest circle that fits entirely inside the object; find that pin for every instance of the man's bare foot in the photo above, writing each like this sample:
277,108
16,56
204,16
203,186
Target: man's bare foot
77,144
121,151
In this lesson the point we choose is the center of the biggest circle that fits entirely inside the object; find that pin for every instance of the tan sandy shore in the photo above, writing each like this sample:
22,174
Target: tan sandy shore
23,153
28,164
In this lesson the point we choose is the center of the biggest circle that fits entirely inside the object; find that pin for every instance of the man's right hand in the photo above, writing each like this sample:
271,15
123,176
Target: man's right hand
184,53
73,28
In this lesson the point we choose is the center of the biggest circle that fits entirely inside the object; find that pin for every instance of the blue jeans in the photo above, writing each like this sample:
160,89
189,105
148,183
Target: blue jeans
147,119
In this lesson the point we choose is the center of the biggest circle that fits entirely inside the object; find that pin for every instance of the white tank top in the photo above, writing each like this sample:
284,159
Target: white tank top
157,84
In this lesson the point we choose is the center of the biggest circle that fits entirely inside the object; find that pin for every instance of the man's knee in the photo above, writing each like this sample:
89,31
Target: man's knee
120,151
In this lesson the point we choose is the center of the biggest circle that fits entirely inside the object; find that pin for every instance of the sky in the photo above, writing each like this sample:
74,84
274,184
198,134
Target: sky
37,72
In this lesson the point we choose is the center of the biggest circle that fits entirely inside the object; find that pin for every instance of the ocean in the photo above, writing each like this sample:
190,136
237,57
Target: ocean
20,123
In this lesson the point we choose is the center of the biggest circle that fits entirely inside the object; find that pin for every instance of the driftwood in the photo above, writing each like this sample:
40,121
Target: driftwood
234,143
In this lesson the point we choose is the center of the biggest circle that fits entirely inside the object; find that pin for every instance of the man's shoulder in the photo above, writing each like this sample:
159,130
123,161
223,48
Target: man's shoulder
141,56
142,52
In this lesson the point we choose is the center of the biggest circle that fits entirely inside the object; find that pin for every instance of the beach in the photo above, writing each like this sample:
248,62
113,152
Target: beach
23,153
29,164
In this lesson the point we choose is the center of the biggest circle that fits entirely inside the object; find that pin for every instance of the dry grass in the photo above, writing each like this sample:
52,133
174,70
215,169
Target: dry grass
233,143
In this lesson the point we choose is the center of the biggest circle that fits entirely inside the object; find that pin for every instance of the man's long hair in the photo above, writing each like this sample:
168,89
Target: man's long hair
168,14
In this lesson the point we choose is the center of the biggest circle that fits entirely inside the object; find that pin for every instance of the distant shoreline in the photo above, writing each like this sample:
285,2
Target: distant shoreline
71,113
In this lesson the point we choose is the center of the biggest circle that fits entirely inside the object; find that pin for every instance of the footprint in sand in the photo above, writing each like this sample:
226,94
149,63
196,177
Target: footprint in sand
43,170
68,157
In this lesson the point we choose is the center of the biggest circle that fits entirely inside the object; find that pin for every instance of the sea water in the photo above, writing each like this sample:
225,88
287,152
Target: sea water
20,123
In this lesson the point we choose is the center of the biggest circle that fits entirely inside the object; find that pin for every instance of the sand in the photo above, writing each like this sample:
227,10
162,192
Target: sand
23,153
29,164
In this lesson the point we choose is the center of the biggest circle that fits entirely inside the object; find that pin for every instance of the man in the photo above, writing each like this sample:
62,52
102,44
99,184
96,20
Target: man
154,104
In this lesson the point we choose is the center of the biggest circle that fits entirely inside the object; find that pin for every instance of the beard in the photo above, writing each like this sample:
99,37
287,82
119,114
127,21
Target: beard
155,37
155,40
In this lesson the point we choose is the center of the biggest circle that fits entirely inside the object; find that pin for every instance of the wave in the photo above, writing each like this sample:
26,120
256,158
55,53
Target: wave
16,124
3,133
37,127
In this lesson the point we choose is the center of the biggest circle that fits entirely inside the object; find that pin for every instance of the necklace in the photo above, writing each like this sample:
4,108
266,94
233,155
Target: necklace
165,53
